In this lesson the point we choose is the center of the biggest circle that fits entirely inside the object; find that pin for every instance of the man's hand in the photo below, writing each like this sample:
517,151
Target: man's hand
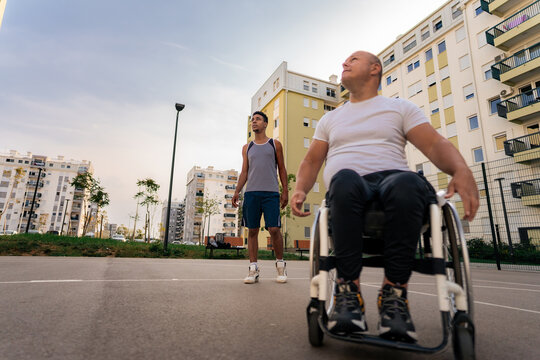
235,200
284,199
297,200
464,184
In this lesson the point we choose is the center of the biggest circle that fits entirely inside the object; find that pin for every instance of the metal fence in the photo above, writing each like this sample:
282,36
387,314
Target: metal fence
506,229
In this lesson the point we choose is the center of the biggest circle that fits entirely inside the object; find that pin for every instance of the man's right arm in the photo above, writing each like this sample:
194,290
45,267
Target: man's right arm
307,174
242,178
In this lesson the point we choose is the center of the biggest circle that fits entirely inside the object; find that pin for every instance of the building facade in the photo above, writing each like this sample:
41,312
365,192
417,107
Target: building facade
294,103
28,179
176,220
205,185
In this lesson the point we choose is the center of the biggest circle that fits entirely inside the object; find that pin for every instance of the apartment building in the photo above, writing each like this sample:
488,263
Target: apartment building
205,184
176,220
28,179
474,69
294,103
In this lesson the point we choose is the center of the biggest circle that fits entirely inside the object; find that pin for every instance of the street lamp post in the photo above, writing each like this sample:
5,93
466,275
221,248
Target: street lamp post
64,218
33,200
506,220
179,107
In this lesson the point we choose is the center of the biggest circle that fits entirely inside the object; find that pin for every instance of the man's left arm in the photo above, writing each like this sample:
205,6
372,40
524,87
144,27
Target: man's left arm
284,198
446,157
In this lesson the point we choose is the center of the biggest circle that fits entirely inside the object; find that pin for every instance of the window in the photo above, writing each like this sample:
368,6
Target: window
478,10
468,92
429,55
388,80
493,105
314,123
464,62
328,108
413,65
444,73
388,59
448,101
425,33
478,155
306,207
276,122
499,142
10,160
314,88
414,88
306,143
431,80
481,39
486,69
434,107
437,24
306,102
451,130
314,104
306,122
307,231
306,85
442,47
409,44
473,122
330,92
316,187
460,34
456,11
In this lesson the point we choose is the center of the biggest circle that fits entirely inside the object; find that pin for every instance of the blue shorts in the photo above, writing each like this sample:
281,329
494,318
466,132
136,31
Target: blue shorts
257,203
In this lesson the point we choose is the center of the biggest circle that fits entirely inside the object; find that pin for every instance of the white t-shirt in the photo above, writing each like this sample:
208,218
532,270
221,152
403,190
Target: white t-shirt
368,136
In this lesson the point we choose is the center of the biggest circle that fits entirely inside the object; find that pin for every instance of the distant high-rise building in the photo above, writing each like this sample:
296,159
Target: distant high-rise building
294,103
205,184
176,222
56,202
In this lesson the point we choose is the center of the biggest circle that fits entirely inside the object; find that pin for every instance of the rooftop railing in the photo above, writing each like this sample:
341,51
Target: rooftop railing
517,19
522,143
516,60
525,188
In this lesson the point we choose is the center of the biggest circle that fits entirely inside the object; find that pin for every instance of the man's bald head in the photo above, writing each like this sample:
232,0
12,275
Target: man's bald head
361,68
372,60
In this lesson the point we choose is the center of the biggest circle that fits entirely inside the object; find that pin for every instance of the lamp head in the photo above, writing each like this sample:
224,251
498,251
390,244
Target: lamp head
180,107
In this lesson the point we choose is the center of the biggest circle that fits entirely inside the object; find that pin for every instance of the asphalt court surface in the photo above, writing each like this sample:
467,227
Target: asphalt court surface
109,308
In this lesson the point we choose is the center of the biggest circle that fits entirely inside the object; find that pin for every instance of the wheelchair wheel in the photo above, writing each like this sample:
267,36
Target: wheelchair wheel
315,333
463,337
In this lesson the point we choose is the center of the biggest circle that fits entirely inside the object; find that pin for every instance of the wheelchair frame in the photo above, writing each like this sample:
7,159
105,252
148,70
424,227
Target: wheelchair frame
442,241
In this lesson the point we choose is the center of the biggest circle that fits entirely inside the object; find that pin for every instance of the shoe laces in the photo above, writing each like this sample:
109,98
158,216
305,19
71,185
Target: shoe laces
392,303
346,298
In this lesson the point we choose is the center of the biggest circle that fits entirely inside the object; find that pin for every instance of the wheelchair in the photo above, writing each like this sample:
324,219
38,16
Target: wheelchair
443,254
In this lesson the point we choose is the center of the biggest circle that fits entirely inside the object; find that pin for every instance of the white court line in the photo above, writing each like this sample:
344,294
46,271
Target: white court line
129,280
476,302
483,286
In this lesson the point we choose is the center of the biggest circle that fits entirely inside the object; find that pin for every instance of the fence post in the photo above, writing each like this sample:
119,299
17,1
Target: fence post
506,221
491,223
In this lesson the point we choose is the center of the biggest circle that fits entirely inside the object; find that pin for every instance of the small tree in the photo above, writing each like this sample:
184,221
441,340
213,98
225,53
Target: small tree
207,207
286,212
96,194
147,197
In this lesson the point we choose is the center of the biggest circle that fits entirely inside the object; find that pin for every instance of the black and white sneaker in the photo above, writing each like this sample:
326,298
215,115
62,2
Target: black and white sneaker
347,316
395,320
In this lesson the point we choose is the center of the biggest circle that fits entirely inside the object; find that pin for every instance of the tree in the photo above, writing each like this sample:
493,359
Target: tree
147,197
207,207
286,212
96,194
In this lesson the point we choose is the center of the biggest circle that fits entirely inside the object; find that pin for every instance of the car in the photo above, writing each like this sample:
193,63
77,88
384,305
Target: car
10,232
54,232
118,237
89,234
34,231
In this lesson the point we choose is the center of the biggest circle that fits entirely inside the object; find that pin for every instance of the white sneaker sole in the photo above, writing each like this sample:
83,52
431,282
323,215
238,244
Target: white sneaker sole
281,280
251,281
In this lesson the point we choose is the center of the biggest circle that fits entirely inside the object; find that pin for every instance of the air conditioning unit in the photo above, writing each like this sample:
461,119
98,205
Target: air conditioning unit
506,92
499,57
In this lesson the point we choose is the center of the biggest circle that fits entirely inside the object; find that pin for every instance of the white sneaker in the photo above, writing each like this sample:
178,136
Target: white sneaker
253,275
281,272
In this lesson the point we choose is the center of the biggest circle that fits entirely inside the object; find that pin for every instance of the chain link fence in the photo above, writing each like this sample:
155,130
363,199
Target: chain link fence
506,230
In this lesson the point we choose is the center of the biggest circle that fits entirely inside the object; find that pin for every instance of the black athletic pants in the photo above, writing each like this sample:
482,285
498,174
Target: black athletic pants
403,196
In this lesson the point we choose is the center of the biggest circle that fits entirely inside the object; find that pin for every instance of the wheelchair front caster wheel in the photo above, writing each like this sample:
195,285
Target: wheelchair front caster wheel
316,335
463,338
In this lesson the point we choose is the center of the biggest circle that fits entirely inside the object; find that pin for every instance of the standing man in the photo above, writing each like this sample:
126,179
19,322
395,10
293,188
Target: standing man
363,143
261,157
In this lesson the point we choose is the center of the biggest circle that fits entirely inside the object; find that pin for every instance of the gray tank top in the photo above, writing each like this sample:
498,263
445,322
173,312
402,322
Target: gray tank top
262,171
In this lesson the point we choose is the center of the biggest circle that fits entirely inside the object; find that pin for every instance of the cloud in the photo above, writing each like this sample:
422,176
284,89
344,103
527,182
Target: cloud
174,45
231,65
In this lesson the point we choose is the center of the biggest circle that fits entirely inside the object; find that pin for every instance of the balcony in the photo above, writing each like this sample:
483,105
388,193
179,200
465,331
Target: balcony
38,163
528,191
232,178
229,215
509,32
228,196
230,187
523,64
520,107
199,193
524,148
497,7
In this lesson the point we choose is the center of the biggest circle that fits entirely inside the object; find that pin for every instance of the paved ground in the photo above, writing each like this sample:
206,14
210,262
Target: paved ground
106,308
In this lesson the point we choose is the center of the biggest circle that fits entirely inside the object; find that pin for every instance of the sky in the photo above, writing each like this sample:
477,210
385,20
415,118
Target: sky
98,80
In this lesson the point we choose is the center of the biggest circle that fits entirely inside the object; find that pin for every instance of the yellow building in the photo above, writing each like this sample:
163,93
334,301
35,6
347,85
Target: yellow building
2,9
294,103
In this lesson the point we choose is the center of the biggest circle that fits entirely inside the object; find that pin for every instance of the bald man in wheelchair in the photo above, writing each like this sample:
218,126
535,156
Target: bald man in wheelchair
363,144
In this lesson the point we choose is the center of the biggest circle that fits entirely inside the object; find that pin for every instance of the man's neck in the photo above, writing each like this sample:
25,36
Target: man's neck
362,93
260,138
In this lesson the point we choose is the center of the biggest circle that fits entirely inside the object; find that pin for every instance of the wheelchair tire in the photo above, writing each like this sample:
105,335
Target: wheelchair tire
315,333
463,337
